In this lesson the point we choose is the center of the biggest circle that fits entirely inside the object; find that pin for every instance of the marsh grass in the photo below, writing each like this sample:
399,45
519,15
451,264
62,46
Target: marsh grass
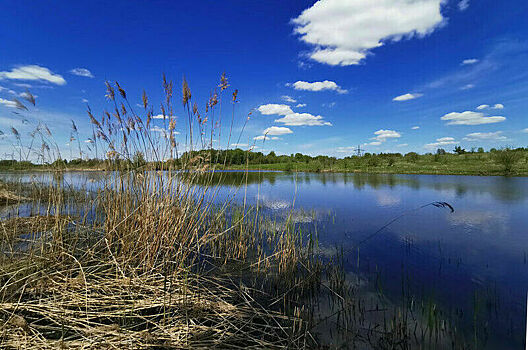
151,259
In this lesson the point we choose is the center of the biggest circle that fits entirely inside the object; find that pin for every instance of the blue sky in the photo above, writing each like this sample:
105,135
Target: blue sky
322,77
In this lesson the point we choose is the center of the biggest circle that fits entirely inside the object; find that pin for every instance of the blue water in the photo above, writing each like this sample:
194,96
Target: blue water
473,262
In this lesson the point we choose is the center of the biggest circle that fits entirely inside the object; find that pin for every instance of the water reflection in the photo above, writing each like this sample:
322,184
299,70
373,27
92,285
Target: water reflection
476,255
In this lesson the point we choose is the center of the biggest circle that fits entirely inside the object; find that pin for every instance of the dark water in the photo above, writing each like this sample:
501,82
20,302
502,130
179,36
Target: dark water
473,262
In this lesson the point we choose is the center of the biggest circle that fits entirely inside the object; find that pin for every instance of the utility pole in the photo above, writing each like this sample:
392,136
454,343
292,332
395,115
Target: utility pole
358,151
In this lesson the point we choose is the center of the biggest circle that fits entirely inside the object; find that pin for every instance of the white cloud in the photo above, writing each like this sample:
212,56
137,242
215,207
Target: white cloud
525,130
406,97
498,106
443,141
84,100
463,5
470,118
486,136
288,99
415,127
300,105
159,116
317,86
273,108
277,130
300,119
239,145
8,103
89,141
291,118
373,143
469,61
343,32
402,145
347,149
82,72
383,135
264,137
467,87
33,72
481,107
163,131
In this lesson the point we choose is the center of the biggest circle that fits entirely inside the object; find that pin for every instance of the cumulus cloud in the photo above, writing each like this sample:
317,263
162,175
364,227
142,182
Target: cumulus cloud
82,72
33,72
383,135
469,61
343,32
8,103
277,130
470,118
288,99
265,137
292,118
318,86
415,127
302,119
481,107
300,105
273,108
406,97
486,136
443,141
498,106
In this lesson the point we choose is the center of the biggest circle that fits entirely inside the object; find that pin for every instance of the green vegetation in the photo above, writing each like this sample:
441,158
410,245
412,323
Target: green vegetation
505,161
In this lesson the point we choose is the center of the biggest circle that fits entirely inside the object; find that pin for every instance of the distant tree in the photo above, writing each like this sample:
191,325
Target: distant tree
507,158
459,150
411,157
480,150
440,151
138,160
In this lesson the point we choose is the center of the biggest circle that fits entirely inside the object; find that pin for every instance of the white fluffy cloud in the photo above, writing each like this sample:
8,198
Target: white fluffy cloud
277,130
288,99
415,127
82,72
496,106
300,119
467,87
470,118
300,105
486,136
273,108
317,86
8,103
406,97
292,118
443,141
33,72
343,32
469,61
383,135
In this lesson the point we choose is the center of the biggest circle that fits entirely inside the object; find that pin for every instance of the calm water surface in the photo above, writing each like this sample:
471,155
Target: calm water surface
473,263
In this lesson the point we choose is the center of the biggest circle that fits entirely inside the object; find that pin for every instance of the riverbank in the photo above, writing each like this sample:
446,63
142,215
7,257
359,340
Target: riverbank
410,169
